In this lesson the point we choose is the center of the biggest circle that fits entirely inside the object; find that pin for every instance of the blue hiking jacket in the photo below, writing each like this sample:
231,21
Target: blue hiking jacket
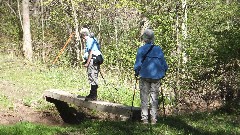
154,66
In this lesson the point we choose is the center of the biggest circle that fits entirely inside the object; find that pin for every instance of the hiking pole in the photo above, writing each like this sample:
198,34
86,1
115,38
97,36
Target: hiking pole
133,98
163,104
105,80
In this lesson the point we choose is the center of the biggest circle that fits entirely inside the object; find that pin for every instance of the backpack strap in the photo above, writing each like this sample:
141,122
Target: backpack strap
144,57
95,41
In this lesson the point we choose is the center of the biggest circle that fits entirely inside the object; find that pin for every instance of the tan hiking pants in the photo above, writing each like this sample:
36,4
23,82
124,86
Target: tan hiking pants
149,92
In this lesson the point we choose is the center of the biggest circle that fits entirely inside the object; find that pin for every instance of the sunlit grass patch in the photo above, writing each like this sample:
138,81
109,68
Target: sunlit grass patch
26,128
5,102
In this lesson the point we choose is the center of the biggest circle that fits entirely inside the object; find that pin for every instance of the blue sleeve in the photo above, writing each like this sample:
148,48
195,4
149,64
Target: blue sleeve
138,62
165,64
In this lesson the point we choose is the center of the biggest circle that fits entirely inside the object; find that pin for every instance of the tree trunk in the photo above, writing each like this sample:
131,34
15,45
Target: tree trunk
184,29
100,22
179,50
77,44
27,45
43,32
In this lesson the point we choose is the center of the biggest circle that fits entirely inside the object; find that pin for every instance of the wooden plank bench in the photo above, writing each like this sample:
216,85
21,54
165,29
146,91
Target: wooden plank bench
114,108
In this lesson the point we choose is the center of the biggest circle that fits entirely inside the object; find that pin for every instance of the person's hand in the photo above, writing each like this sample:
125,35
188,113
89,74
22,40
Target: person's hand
136,75
85,65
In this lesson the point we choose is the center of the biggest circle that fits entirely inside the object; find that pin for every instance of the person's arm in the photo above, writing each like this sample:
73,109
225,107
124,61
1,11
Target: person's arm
138,62
90,44
165,64
89,58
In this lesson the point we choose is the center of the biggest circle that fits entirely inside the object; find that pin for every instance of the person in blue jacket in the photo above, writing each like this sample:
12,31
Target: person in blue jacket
151,67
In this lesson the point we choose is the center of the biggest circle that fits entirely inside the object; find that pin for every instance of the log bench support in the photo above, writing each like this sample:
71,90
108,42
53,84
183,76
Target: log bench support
62,98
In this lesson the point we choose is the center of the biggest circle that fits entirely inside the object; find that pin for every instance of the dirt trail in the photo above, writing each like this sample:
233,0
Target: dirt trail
20,112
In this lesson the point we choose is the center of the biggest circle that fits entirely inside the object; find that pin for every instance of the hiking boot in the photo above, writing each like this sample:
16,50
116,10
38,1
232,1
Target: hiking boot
153,122
93,93
90,98
145,121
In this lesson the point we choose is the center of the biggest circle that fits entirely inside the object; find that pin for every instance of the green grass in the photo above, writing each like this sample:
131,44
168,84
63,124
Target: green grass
195,124
33,79
5,102
25,128
38,78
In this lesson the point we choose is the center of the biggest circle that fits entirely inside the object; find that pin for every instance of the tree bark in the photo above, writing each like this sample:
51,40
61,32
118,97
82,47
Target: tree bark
77,44
184,28
27,45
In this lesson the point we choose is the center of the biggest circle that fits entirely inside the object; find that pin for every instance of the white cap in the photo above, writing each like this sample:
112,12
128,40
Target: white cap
85,31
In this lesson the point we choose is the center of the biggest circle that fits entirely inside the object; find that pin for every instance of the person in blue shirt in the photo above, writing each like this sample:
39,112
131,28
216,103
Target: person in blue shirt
151,67
92,50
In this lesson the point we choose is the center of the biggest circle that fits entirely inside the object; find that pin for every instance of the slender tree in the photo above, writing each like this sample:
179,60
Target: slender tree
27,45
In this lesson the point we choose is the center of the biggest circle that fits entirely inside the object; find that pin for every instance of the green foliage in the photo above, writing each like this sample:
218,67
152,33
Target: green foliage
205,59
211,45
10,28
211,49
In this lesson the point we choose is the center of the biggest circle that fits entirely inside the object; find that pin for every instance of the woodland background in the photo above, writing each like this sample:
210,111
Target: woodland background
200,39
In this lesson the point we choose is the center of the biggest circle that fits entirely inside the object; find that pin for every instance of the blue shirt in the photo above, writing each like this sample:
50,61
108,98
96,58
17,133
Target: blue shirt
154,66
91,45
